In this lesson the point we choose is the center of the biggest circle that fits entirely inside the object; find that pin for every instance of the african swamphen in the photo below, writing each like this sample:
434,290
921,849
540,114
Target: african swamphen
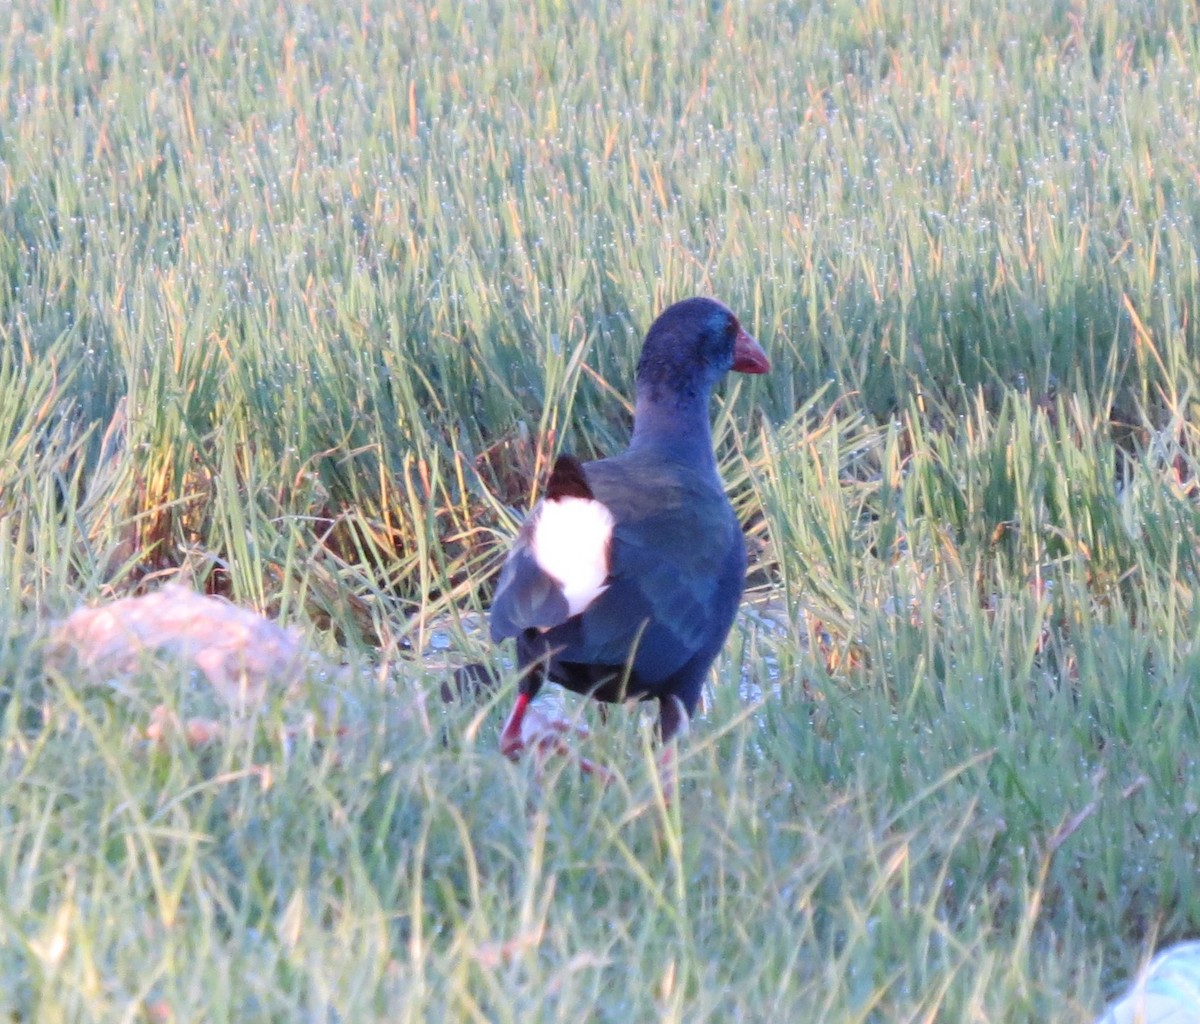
624,580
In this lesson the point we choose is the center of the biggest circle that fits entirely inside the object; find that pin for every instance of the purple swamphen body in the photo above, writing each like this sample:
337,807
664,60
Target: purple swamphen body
625,579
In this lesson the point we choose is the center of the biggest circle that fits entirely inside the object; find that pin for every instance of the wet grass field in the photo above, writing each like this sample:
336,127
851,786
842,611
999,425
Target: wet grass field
299,301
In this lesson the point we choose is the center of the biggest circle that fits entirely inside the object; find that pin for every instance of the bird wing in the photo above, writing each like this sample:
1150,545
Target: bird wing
675,547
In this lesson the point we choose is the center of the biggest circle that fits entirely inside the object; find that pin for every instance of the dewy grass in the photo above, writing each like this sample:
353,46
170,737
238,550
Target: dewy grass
300,302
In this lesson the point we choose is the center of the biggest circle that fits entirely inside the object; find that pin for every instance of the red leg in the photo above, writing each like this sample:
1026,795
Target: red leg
511,743
666,772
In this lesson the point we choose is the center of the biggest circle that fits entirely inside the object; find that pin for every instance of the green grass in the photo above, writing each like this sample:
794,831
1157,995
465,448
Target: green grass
297,302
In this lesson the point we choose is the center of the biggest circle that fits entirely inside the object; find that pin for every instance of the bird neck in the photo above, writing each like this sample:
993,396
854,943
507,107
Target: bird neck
675,426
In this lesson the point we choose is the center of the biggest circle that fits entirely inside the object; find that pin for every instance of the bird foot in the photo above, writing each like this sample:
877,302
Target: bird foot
551,743
548,744
528,728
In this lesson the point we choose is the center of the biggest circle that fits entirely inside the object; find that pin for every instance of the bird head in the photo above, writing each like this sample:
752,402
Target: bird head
692,345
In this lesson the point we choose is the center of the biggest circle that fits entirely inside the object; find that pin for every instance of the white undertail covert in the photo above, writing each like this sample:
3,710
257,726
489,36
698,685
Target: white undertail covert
571,540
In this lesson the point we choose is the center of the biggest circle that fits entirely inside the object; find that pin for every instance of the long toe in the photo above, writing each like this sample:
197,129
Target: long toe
512,746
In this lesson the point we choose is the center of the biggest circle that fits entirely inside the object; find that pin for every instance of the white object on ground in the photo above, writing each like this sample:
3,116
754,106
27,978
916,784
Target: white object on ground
1166,991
